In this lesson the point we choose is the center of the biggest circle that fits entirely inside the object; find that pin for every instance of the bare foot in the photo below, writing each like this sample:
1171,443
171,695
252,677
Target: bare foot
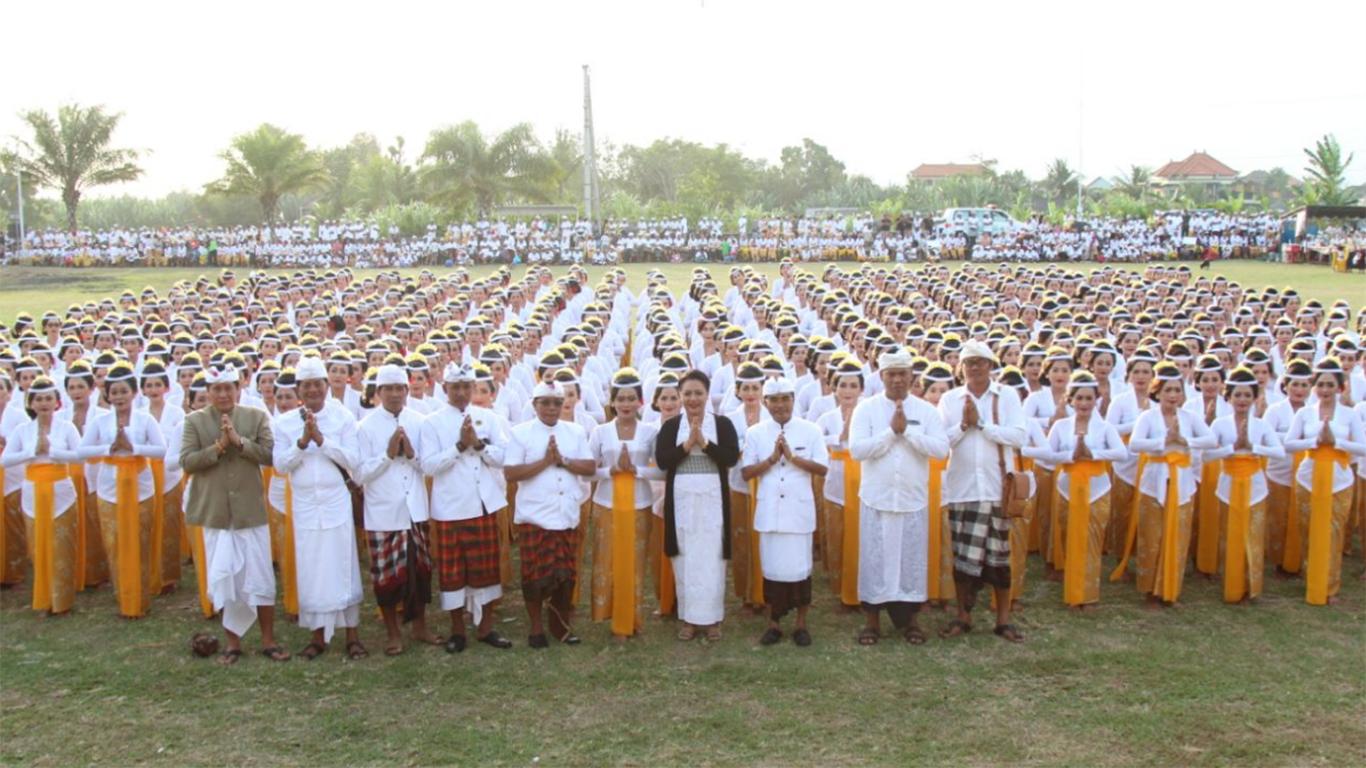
428,638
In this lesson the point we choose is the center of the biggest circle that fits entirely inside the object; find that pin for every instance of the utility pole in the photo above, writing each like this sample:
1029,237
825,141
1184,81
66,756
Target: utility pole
19,187
591,203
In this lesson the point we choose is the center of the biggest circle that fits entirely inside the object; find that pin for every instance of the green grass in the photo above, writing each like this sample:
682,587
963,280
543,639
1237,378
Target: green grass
37,289
1279,683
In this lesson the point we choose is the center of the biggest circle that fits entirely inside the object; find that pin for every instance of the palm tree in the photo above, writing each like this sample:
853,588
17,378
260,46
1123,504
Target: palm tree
1136,185
1060,182
1327,171
71,153
268,164
467,169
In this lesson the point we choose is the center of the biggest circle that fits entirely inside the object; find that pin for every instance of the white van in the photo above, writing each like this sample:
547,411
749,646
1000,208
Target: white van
971,222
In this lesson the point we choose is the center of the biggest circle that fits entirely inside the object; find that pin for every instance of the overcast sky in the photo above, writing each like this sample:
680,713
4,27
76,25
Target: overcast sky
885,85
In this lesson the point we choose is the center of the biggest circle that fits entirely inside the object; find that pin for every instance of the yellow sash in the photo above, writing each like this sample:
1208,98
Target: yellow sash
128,557
267,473
1169,571
853,475
756,569
77,473
44,478
158,517
201,567
288,573
623,554
1293,552
1320,523
1079,476
1241,470
1131,535
936,590
1207,548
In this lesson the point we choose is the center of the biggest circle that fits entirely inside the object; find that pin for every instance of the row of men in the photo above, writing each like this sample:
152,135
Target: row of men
867,321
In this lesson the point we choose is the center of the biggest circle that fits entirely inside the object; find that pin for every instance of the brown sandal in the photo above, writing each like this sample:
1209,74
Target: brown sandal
956,628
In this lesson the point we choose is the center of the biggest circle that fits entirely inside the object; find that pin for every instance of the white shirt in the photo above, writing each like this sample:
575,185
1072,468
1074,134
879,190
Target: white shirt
1040,407
974,470
1150,437
787,501
465,484
173,430
63,448
1304,436
1123,414
395,490
831,424
1101,438
1264,441
1278,418
320,498
605,446
895,468
145,435
550,499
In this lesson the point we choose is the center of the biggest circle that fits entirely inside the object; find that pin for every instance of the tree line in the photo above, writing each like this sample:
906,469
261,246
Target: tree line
271,175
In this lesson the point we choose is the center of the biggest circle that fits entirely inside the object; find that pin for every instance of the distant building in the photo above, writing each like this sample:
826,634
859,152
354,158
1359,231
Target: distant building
1199,169
1101,185
933,172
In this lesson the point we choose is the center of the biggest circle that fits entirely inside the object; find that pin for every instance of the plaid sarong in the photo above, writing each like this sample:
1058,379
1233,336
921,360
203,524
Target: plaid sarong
549,558
400,565
981,537
467,552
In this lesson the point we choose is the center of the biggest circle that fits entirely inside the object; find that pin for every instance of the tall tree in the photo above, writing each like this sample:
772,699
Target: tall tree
1328,172
1136,184
71,153
467,169
267,164
1060,182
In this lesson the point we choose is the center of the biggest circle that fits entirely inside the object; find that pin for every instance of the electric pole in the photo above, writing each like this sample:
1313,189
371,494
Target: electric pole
591,202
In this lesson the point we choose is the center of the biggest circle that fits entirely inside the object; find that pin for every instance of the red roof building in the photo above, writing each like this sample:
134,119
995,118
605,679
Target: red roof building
937,171
1199,168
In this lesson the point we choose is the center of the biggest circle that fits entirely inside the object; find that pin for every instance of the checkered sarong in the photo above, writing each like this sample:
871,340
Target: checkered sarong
392,554
981,537
467,552
549,558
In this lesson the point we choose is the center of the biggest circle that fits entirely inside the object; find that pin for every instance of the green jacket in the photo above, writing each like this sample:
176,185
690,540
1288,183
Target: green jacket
226,491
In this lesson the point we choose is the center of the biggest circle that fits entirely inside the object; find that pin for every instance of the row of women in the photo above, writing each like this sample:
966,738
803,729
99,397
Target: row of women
1169,422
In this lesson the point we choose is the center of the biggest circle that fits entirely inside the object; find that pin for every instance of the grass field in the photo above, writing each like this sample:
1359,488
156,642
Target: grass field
37,289
1278,683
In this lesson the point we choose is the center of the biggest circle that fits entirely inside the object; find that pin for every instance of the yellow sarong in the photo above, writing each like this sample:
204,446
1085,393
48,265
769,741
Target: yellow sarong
853,475
1241,470
44,478
1319,556
1079,475
128,553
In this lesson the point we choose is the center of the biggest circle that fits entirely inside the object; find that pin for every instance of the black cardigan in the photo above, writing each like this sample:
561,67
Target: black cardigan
668,455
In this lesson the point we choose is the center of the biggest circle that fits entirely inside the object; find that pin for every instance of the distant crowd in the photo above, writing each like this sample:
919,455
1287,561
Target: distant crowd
864,237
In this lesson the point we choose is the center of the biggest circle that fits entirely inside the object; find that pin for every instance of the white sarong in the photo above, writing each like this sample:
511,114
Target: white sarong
328,572
785,556
238,574
699,570
893,556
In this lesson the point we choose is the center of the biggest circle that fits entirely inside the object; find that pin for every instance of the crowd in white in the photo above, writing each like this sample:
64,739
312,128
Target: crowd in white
861,237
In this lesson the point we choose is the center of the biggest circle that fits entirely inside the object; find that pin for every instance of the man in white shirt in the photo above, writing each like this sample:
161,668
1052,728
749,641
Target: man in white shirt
785,454
317,451
894,435
547,457
986,425
387,444
462,452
